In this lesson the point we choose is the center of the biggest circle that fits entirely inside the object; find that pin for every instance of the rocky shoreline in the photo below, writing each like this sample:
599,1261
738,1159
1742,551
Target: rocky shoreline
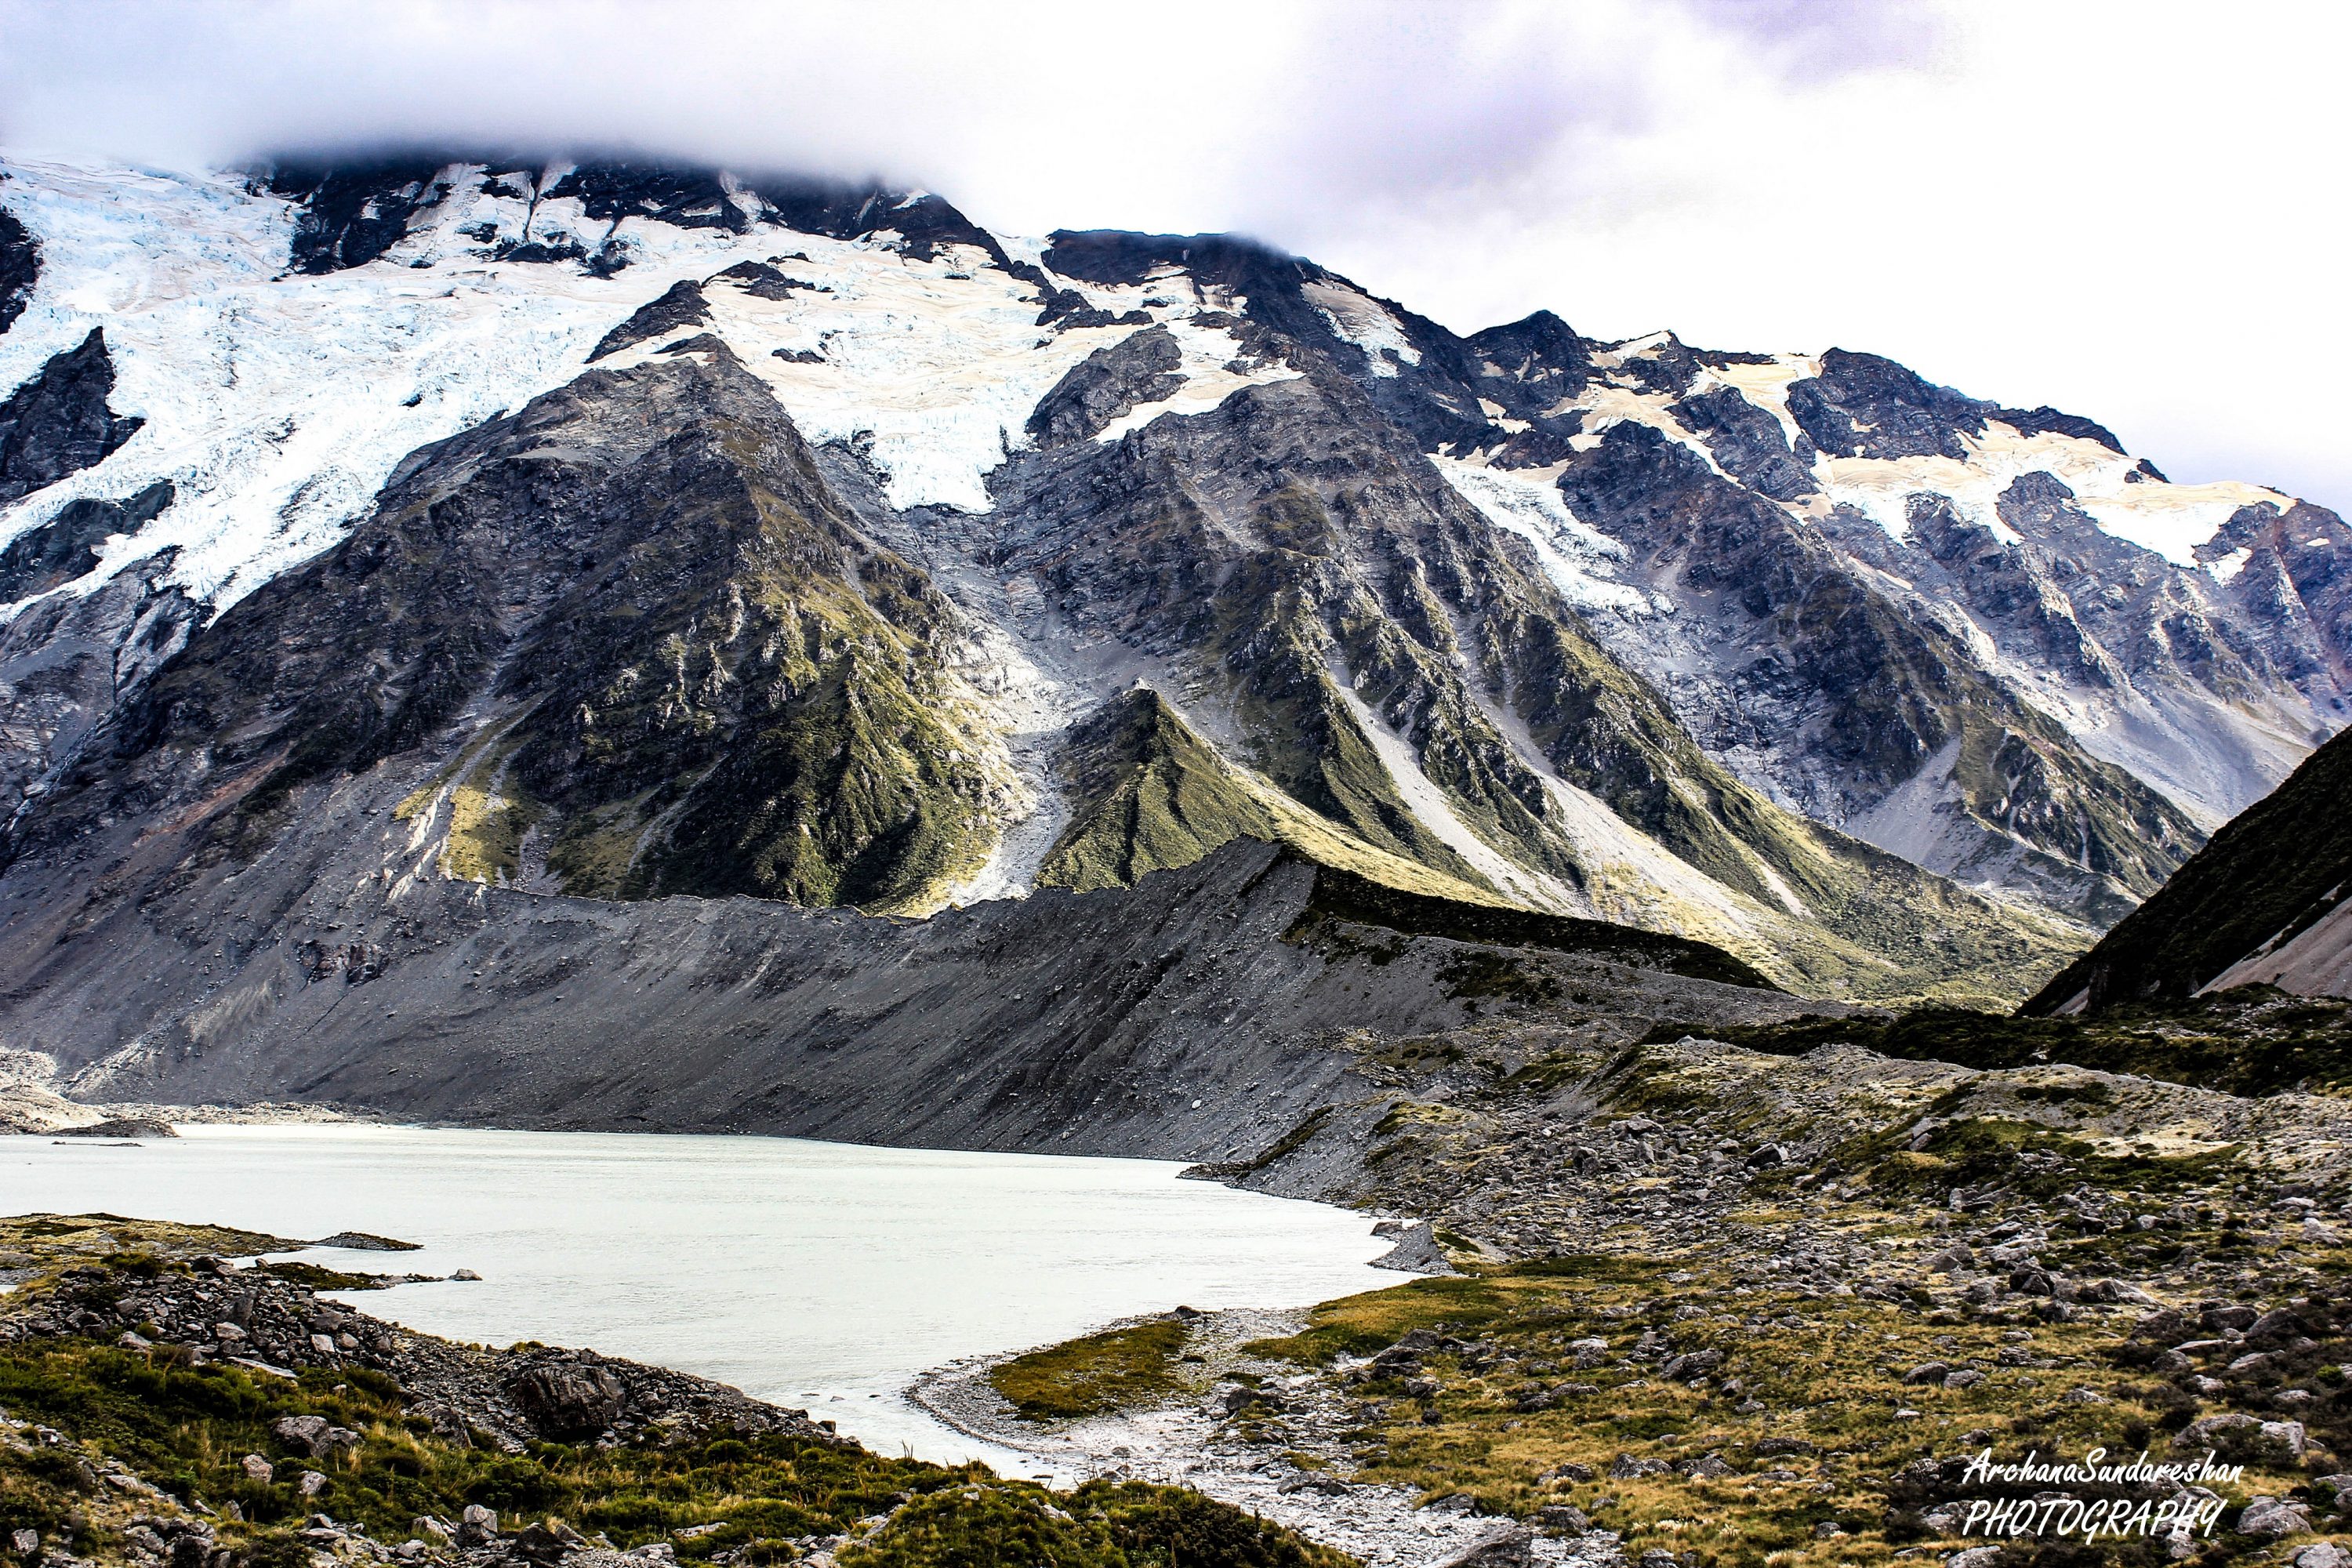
1195,1442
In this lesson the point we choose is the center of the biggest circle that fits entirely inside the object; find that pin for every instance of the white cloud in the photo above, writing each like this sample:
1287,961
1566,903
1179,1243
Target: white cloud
2132,213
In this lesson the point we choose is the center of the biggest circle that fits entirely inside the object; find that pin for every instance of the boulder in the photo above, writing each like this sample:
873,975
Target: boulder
478,1526
2116,1291
1414,1251
1508,1546
2245,1439
313,1435
2270,1517
568,1399
1693,1365
2280,1324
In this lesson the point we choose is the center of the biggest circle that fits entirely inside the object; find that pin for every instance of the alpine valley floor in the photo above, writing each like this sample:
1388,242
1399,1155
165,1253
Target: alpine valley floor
1690,1298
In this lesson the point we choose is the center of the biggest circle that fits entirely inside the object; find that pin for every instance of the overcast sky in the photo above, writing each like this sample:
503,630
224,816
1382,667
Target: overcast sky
2134,211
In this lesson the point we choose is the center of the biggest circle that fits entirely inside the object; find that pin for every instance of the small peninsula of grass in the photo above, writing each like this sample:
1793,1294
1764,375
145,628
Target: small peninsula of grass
1109,1371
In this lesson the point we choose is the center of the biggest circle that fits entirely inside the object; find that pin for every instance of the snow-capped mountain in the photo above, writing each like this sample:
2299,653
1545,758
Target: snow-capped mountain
621,531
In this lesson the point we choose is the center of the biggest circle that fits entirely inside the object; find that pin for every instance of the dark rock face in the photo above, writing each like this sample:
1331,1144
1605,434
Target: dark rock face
2264,892
685,197
20,268
1864,406
1750,444
2036,421
569,1400
66,664
682,306
66,547
58,423
555,566
1136,370
1821,655
1293,543
354,213
766,281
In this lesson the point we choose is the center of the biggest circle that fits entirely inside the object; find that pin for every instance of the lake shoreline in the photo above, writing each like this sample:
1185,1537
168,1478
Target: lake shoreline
830,1276
1190,1441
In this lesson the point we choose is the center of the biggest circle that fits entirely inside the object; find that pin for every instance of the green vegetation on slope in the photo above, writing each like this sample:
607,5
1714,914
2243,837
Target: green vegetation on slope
1694,1416
188,1432
1150,795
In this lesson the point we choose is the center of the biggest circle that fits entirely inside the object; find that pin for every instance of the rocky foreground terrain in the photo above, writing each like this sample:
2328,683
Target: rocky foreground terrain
1708,1300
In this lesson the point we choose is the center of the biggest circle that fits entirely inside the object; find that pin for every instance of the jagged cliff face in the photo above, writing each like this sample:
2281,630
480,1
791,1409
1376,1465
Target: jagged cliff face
623,532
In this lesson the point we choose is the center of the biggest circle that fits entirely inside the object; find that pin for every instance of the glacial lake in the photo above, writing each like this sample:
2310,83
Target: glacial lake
822,1275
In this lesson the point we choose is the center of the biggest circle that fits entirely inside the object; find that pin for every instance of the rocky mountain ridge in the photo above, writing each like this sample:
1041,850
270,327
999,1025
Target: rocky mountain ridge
2262,904
627,532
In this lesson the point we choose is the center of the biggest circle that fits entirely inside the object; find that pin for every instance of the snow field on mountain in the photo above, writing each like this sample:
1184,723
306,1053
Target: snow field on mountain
1210,356
1582,561
939,363
1365,323
2171,520
278,404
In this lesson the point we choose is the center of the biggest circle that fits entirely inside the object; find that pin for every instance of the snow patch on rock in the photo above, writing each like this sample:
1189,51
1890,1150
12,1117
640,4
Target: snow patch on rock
1582,561
1365,323
1214,367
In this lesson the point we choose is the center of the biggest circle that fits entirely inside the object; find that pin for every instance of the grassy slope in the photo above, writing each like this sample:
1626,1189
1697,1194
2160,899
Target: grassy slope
1106,1371
1828,1372
1151,794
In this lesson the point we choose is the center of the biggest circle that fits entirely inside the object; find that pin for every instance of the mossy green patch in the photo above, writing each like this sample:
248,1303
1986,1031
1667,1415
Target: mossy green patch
1108,1371
744,1496
1787,1410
